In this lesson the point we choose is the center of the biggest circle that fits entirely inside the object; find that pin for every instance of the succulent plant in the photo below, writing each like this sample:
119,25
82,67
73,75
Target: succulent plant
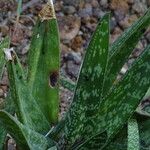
103,111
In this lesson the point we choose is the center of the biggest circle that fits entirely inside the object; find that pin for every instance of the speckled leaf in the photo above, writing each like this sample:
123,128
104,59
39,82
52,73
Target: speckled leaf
88,90
46,67
124,98
3,44
144,131
53,148
23,100
68,84
2,137
133,135
122,48
35,50
25,138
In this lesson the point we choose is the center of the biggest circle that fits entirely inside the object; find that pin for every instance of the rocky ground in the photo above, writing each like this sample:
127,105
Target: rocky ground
77,20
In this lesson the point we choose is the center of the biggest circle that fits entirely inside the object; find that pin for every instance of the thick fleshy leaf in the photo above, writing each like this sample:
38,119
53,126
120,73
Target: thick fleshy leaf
144,124
123,100
2,137
68,84
25,138
23,100
4,44
122,48
88,90
133,135
53,148
35,50
45,74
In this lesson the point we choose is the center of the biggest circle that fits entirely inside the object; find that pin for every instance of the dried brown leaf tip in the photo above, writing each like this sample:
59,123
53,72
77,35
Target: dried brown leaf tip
47,12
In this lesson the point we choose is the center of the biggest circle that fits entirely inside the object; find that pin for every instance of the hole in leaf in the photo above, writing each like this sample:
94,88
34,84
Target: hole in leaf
53,79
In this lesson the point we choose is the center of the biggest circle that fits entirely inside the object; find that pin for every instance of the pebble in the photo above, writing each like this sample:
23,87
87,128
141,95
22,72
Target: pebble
69,9
128,21
71,2
77,43
139,7
113,24
69,27
119,5
86,11
104,3
98,13
73,56
130,2
116,33
119,15
95,3
23,48
72,69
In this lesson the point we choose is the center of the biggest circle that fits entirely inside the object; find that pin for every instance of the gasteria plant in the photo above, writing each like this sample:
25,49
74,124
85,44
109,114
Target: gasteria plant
102,106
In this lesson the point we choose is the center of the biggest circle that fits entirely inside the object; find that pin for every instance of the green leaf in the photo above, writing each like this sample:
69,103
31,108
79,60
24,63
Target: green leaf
89,87
25,138
133,135
4,44
68,84
122,48
2,137
35,50
53,148
23,100
19,8
147,95
144,131
123,99
45,72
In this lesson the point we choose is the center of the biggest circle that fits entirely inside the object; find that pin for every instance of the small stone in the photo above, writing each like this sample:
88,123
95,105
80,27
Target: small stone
23,48
86,11
137,51
95,3
69,27
72,69
64,48
71,2
128,21
58,6
98,13
113,24
119,5
139,7
77,43
130,2
73,56
116,33
119,15
104,3
69,9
